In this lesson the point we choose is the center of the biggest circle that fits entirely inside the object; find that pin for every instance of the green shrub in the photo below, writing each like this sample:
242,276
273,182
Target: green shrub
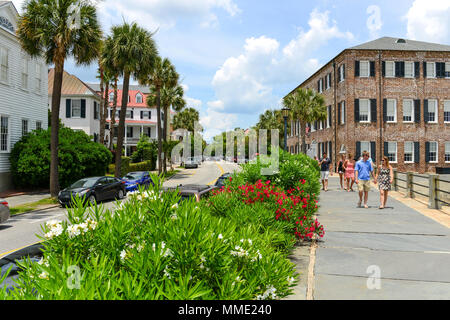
146,150
132,167
79,157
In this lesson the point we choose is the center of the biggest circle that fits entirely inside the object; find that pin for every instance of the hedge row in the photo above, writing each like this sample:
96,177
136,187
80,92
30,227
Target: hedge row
127,166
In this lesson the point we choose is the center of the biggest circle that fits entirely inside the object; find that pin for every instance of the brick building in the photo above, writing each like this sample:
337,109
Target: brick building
390,97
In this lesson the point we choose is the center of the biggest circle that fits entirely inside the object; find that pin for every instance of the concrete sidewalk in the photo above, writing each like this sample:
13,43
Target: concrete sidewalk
409,251
26,198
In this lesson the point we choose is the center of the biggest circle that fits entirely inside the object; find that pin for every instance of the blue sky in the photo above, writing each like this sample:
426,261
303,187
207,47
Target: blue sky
240,58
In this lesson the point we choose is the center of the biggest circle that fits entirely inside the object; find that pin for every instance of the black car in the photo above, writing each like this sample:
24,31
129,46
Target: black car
221,181
94,189
195,191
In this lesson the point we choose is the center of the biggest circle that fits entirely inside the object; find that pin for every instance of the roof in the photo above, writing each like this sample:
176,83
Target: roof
143,89
134,121
71,85
132,98
389,43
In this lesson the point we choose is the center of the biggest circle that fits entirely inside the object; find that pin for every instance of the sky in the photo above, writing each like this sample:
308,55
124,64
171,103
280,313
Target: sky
238,59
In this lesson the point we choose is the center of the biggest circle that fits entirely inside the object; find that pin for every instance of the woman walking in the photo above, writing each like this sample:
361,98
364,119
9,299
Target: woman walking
349,167
385,177
341,171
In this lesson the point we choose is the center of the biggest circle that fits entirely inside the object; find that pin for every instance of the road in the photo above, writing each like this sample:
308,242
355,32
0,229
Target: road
20,231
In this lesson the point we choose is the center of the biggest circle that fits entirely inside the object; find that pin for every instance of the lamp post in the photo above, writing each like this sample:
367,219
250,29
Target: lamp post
285,112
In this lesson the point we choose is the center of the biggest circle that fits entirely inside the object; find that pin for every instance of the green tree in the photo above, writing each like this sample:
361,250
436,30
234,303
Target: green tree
145,150
186,119
306,107
133,53
58,29
272,119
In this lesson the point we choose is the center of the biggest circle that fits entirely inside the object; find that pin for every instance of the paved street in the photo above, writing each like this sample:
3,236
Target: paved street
20,231
411,251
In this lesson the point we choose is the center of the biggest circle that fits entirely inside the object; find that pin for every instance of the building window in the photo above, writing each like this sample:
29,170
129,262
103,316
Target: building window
447,70
138,98
390,69
129,132
342,112
408,110
129,114
365,146
38,125
38,77
24,127
111,97
432,111
329,117
391,112
433,152
409,69
409,152
431,70
76,108
24,73
342,73
96,110
4,134
392,152
4,64
364,110
447,111
447,152
364,69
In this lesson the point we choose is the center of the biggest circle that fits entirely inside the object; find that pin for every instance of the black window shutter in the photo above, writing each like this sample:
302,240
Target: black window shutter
132,114
372,68
397,69
373,151
417,69
440,69
427,152
386,148
318,85
316,125
373,110
68,108
417,152
402,66
83,108
384,110
330,149
142,114
358,150
425,111
339,74
424,69
339,113
417,111
356,110
356,68
343,70
149,114
330,116
383,68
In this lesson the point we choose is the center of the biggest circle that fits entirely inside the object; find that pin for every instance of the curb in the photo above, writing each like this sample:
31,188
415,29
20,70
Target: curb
33,211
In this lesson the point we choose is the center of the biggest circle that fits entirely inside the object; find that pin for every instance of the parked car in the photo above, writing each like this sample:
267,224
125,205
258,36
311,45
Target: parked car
190,163
135,179
94,189
4,211
193,191
221,181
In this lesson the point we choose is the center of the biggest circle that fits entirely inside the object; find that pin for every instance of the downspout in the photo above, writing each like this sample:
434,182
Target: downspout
335,114
380,154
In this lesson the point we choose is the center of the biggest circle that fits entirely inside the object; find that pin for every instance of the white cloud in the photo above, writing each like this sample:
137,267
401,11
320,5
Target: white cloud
374,22
215,123
429,21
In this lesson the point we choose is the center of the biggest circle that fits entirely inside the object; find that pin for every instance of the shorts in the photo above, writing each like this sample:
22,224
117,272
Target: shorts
324,175
364,185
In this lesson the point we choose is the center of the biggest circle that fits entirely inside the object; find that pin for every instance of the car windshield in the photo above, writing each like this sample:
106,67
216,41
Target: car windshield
84,183
133,176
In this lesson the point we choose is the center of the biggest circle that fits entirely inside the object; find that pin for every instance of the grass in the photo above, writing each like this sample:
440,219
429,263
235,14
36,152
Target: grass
32,206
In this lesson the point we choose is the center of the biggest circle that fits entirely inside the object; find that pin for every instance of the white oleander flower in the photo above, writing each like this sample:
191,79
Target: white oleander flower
43,275
175,206
290,280
220,236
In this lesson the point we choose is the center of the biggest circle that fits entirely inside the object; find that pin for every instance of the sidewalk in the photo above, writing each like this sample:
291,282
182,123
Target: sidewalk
22,199
410,250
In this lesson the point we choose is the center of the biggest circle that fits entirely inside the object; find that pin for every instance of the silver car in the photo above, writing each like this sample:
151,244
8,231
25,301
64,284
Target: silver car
4,210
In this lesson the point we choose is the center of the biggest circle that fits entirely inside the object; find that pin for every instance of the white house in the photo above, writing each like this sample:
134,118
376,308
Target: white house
23,91
80,104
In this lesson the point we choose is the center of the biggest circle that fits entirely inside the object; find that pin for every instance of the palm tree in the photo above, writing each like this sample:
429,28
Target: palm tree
163,74
186,119
53,28
133,53
306,106
272,119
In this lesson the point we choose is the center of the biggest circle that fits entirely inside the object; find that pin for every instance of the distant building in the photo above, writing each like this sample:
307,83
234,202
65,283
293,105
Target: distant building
23,91
390,97
80,105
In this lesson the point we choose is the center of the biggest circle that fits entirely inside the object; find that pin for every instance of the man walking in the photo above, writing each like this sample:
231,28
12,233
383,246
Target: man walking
363,171
325,164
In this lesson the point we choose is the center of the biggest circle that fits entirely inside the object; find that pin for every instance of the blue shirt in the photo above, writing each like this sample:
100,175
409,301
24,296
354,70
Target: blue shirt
364,169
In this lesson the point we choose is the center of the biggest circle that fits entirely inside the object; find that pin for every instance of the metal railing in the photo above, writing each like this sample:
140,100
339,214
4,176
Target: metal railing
435,194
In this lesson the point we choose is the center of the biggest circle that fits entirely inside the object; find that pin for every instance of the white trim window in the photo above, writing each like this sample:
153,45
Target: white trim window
447,152
76,108
364,110
24,75
447,111
341,73
111,96
390,69
329,117
364,69
4,65
447,70
343,112
24,127
409,69
433,152
431,70
432,111
409,152
138,98
38,78
4,133
391,112
365,146
408,110
392,152
38,125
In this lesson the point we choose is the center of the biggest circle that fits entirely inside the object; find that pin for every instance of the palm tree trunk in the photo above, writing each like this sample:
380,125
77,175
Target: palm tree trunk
56,102
303,135
120,134
158,112
166,121
102,103
113,115
105,111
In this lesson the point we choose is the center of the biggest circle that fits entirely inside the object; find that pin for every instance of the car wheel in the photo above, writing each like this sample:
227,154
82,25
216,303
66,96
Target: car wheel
92,200
120,194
